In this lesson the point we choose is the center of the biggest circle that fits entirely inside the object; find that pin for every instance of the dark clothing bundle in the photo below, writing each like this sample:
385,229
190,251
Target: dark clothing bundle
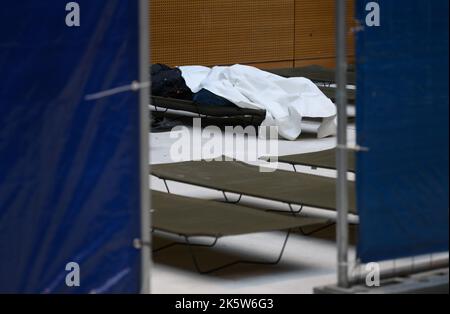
205,98
168,82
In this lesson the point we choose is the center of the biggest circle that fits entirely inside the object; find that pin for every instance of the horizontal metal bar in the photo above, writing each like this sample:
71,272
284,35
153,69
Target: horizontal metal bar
404,270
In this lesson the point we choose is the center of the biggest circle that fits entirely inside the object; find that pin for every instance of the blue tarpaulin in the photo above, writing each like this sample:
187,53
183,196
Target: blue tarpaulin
402,118
69,184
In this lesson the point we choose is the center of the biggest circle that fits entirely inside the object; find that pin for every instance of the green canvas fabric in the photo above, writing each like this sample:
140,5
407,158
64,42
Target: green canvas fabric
322,159
188,216
237,177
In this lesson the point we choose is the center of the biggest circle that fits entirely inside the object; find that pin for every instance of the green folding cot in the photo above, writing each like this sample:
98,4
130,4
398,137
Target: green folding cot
322,159
243,179
191,217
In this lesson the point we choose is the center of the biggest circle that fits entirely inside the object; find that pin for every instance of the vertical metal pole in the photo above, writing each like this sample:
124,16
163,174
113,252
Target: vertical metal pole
341,151
144,59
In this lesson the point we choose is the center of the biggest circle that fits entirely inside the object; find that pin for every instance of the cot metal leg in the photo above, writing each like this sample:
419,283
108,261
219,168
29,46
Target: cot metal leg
157,109
326,226
312,167
295,212
228,201
165,247
172,244
167,187
291,210
211,270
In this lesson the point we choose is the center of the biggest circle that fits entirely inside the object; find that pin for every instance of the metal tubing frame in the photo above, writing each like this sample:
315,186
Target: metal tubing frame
227,200
172,244
190,246
144,96
324,227
403,271
214,269
341,151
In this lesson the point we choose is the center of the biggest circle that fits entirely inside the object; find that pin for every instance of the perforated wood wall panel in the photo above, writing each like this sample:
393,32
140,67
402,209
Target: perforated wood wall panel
315,29
264,33
211,32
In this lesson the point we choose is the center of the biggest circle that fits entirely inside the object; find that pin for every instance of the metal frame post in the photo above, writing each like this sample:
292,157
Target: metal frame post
341,151
144,97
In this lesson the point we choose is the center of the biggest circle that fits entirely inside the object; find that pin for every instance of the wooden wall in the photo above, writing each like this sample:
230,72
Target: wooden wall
264,33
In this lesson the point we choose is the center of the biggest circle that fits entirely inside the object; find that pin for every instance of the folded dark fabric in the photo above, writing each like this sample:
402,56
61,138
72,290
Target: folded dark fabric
206,98
168,82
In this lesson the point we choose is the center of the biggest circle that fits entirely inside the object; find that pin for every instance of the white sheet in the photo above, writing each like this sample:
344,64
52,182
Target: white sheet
286,100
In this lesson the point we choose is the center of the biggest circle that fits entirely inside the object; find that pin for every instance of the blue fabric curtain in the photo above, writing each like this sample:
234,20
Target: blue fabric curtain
402,117
69,186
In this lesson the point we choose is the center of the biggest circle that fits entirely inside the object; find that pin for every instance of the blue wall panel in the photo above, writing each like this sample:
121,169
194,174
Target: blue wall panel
402,117
69,189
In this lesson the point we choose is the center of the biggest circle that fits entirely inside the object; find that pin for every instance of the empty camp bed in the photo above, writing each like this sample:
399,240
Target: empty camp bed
191,217
322,159
315,73
243,179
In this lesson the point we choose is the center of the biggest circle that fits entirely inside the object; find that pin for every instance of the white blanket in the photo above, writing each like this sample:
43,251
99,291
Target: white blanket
286,100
